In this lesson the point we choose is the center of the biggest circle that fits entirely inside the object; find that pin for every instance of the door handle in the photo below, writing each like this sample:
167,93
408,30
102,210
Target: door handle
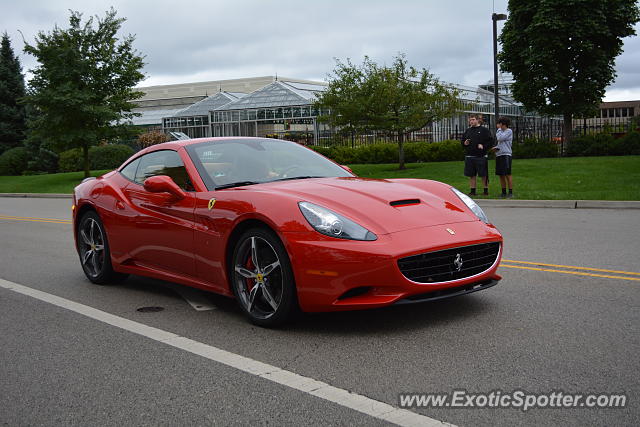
119,205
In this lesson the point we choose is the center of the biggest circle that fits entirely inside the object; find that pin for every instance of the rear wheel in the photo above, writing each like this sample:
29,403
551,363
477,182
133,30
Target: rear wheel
262,279
93,249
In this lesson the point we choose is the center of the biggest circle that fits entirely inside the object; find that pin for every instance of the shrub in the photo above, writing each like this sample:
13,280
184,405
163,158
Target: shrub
630,143
532,148
388,152
44,161
600,144
101,157
14,161
150,138
447,151
70,160
109,156
604,144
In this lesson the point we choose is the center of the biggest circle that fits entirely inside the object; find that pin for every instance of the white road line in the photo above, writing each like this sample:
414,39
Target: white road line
290,379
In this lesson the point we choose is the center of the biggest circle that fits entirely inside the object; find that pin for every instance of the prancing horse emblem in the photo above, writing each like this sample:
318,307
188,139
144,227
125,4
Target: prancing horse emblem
211,203
458,262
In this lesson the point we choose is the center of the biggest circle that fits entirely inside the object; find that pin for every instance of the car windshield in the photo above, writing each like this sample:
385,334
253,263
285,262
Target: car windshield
245,161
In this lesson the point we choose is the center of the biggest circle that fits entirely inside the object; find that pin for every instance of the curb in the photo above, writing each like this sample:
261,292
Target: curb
484,203
38,195
560,204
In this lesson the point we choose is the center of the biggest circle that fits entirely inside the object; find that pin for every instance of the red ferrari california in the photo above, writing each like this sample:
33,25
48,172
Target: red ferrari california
281,228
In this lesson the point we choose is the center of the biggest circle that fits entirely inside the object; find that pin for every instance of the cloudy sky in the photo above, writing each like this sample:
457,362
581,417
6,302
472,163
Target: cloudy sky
191,40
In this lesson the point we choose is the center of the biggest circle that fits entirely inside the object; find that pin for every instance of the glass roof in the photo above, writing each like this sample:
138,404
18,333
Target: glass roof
276,94
152,117
202,107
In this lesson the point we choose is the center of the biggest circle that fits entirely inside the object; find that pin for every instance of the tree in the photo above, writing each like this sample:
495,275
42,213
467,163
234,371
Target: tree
562,52
12,113
84,84
396,99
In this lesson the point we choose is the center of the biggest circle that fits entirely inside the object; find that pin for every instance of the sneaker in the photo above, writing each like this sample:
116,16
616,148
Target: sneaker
510,196
503,195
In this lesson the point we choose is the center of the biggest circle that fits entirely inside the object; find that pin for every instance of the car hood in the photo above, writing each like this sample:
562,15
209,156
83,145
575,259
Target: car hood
382,206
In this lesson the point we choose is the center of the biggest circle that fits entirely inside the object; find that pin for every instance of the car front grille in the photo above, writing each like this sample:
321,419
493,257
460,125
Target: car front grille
449,264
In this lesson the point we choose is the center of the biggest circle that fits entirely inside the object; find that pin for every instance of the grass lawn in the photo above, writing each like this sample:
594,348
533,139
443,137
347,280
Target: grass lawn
575,178
52,183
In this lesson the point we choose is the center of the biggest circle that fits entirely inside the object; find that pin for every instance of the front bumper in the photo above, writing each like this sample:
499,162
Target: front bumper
337,275
449,293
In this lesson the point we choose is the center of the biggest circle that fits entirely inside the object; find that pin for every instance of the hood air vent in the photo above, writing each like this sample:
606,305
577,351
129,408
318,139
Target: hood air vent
407,202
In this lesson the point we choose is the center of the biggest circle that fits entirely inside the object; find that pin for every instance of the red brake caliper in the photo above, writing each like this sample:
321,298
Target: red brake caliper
250,282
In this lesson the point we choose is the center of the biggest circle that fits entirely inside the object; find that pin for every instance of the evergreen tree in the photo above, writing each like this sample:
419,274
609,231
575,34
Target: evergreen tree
83,87
12,113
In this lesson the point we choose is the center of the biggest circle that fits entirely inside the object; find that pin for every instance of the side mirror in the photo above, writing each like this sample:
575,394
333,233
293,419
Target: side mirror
163,184
347,168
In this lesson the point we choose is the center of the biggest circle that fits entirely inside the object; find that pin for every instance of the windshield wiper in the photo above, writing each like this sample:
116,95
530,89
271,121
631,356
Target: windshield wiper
297,177
236,184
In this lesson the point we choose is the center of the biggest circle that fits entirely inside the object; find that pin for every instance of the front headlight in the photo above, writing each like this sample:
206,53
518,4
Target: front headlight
472,205
332,224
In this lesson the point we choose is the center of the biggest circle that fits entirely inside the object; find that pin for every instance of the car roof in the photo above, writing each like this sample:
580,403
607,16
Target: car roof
174,145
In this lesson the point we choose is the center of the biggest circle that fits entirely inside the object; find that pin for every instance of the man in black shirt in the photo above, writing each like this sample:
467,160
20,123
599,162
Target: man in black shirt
476,141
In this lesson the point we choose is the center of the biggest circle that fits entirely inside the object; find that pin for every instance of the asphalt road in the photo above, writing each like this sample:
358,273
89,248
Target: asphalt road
538,331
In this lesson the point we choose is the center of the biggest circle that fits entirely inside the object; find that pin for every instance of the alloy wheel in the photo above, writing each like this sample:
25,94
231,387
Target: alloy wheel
258,277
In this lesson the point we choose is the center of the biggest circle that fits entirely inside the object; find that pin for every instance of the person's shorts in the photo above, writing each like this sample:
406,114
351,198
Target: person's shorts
475,166
503,165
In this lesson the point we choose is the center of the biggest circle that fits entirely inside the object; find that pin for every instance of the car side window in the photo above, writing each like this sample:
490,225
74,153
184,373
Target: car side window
163,162
129,171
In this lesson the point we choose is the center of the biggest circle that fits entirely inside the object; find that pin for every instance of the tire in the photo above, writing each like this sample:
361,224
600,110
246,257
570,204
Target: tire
262,280
93,249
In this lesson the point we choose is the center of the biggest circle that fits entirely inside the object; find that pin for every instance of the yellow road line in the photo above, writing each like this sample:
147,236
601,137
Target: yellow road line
48,220
577,273
570,266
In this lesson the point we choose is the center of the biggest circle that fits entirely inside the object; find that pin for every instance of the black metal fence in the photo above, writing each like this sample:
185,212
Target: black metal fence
524,127
617,126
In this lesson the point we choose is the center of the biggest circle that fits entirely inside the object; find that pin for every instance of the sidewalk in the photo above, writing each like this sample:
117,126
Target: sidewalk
485,203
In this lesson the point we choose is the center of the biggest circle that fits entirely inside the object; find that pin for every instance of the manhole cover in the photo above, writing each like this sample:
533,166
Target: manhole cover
149,309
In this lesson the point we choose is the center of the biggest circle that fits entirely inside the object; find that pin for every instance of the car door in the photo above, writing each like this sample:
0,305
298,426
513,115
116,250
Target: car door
164,224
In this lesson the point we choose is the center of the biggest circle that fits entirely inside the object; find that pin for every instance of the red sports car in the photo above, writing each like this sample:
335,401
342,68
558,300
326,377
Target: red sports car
281,228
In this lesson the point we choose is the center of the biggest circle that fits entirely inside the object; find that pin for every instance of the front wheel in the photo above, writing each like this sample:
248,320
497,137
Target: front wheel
262,279
93,249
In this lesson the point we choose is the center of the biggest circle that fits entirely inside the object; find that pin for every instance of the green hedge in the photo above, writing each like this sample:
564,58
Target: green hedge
109,156
14,161
604,144
533,148
414,152
100,157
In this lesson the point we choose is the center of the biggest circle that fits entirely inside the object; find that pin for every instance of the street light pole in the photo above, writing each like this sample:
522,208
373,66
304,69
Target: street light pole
495,18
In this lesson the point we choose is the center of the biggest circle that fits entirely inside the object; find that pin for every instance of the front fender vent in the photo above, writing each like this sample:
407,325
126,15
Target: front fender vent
406,202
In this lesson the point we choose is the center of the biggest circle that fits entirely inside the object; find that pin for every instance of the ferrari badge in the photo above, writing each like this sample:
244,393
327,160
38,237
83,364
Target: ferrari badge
451,231
211,203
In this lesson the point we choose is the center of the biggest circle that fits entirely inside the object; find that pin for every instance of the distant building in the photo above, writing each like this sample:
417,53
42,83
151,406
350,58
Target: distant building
616,117
285,108
505,87
167,100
